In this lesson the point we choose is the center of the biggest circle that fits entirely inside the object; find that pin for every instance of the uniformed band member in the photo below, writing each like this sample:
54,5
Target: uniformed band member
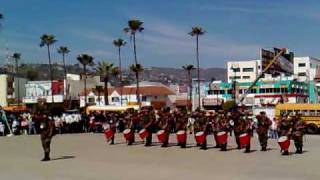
113,127
263,126
164,123
222,125
298,127
284,129
235,117
247,127
131,119
47,132
181,124
148,123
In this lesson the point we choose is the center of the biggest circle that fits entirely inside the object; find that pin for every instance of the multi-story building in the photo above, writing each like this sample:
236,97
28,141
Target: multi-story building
12,89
243,71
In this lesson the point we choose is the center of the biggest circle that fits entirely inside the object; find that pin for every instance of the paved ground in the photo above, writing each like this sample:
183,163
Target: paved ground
87,156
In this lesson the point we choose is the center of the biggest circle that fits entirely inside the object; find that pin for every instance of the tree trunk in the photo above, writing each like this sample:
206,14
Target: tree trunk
138,90
85,85
198,70
65,75
190,91
18,83
106,93
51,74
135,49
120,69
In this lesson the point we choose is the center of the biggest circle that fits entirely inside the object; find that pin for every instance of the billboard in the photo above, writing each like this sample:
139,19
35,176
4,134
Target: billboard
284,64
36,90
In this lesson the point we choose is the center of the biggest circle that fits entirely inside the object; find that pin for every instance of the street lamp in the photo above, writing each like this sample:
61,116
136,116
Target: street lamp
234,67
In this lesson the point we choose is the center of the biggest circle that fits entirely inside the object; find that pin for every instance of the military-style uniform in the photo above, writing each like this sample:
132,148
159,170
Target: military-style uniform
297,133
247,127
222,125
235,117
284,129
47,132
113,127
165,124
263,126
148,122
181,124
130,120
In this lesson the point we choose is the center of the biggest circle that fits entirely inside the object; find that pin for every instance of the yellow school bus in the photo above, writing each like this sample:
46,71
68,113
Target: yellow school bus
310,113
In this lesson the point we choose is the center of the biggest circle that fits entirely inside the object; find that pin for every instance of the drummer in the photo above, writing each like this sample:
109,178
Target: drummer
148,118
165,124
111,120
130,119
235,118
298,128
247,127
284,129
181,125
263,126
222,126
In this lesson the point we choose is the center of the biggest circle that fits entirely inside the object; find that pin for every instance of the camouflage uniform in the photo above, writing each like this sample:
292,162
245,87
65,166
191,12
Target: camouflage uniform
297,133
263,126
47,132
235,117
222,125
284,129
181,124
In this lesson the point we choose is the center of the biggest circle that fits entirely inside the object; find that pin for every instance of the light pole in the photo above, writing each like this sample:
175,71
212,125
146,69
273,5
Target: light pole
234,67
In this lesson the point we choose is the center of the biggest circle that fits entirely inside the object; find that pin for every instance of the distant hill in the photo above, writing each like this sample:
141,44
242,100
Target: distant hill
156,74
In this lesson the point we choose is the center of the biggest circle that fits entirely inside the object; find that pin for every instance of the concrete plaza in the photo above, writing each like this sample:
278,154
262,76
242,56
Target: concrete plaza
89,157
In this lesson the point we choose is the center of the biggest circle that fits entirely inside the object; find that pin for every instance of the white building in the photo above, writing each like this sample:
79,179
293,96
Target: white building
9,86
247,71
305,68
243,71
151,94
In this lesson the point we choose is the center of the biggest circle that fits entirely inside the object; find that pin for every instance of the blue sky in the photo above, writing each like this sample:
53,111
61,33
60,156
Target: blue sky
236,30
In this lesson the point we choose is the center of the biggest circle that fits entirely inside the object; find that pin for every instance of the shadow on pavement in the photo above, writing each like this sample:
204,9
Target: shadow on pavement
62,158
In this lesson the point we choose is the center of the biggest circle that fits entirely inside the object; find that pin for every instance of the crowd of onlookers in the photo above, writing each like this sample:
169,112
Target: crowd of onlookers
27,123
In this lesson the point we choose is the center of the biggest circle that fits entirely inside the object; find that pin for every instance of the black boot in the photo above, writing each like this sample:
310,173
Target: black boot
183,145
46,157
299,150
223,147
285,153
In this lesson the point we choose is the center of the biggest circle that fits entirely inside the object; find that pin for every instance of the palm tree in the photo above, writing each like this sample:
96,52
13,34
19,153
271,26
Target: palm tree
119,43
1,18
99,89
105,70
134,26
137,69
197,31
85,60
16,57
47,40
63,50
189,68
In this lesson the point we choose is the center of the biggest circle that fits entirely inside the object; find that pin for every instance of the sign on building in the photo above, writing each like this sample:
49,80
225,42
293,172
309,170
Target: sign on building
284,64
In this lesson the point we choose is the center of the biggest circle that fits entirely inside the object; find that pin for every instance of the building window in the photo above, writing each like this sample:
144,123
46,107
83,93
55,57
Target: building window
247,70
302,74
302,64
235,69
115,99
262,90
144,98
245,77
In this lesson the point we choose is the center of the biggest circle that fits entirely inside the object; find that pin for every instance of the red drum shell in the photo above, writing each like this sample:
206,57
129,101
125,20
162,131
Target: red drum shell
222,137
181,136
284,143
127,134
162,136
200,137
244,139
108,133
143,134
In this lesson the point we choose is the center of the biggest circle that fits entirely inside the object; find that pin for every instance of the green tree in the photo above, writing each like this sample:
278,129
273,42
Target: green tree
47,40
63,50
197,31
105,69
137,69
16,57
120,43
134,26
85,60
188,68
99,89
